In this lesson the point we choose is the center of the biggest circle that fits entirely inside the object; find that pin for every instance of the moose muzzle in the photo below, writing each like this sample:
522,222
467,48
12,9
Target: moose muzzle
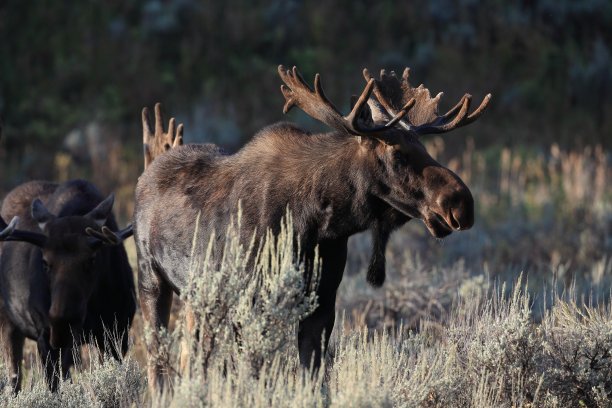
65,322
451,206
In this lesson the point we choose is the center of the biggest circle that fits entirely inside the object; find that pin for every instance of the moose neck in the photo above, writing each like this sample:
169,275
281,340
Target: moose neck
326,178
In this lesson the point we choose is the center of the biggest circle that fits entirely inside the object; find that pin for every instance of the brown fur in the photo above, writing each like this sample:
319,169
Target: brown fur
370,173
335,185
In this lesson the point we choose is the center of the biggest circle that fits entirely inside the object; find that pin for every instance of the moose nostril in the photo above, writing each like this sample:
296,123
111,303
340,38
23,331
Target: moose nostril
461,219
454,220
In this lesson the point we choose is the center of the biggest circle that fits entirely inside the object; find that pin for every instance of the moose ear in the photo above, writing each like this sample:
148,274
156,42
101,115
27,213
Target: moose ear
102,210
40,214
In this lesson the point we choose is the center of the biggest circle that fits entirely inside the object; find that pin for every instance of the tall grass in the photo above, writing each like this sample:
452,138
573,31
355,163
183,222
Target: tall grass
454,326
488,352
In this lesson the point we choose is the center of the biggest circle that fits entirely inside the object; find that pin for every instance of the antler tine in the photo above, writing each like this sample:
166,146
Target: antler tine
159,120
452,111
118,236
361,101
156,143
95,234
316,104
461,118
406,74
440,125
318,88
7,230
11,233
479,110
171,125
377,92
107,236
446,123
403,112
178,140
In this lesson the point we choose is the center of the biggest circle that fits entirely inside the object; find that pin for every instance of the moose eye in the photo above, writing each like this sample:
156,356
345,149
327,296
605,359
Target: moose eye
45,266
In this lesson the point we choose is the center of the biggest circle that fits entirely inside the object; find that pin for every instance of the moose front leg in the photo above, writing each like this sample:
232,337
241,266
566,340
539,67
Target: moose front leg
313,335
11,340
56,362
376,268
315,330
381,230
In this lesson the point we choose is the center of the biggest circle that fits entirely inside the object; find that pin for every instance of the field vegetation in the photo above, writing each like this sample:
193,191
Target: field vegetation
515,312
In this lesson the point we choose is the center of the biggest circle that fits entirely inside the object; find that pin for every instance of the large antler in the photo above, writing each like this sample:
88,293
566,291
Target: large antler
11,233
423,118
315,104
157,143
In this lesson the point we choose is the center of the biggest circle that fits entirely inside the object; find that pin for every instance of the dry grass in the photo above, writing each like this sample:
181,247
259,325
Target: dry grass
453,326
490,353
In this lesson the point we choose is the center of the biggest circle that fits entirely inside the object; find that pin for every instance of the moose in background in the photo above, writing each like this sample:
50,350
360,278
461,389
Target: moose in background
370,173
64,275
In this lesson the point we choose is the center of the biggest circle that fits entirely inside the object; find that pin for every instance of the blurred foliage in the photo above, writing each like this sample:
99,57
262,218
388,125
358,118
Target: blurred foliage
66,65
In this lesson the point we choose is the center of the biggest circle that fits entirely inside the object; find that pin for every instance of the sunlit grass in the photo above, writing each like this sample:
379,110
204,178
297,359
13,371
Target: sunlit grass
454,324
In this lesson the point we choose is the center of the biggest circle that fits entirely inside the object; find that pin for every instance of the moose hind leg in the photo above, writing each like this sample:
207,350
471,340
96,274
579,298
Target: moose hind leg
190,338
12,341
155,301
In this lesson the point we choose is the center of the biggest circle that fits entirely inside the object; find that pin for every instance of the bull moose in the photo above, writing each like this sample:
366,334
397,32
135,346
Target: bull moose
64,274
370,173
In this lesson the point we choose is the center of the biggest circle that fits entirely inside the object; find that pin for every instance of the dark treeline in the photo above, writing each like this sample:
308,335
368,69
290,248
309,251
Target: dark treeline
65,65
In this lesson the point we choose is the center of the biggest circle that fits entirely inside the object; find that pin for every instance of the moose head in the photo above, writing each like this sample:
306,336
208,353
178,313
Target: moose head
388,119
69,246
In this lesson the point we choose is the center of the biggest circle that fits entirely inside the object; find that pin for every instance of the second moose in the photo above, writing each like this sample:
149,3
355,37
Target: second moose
64,275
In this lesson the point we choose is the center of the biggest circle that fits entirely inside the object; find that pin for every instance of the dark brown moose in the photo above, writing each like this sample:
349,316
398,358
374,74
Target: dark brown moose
370,172
64,275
